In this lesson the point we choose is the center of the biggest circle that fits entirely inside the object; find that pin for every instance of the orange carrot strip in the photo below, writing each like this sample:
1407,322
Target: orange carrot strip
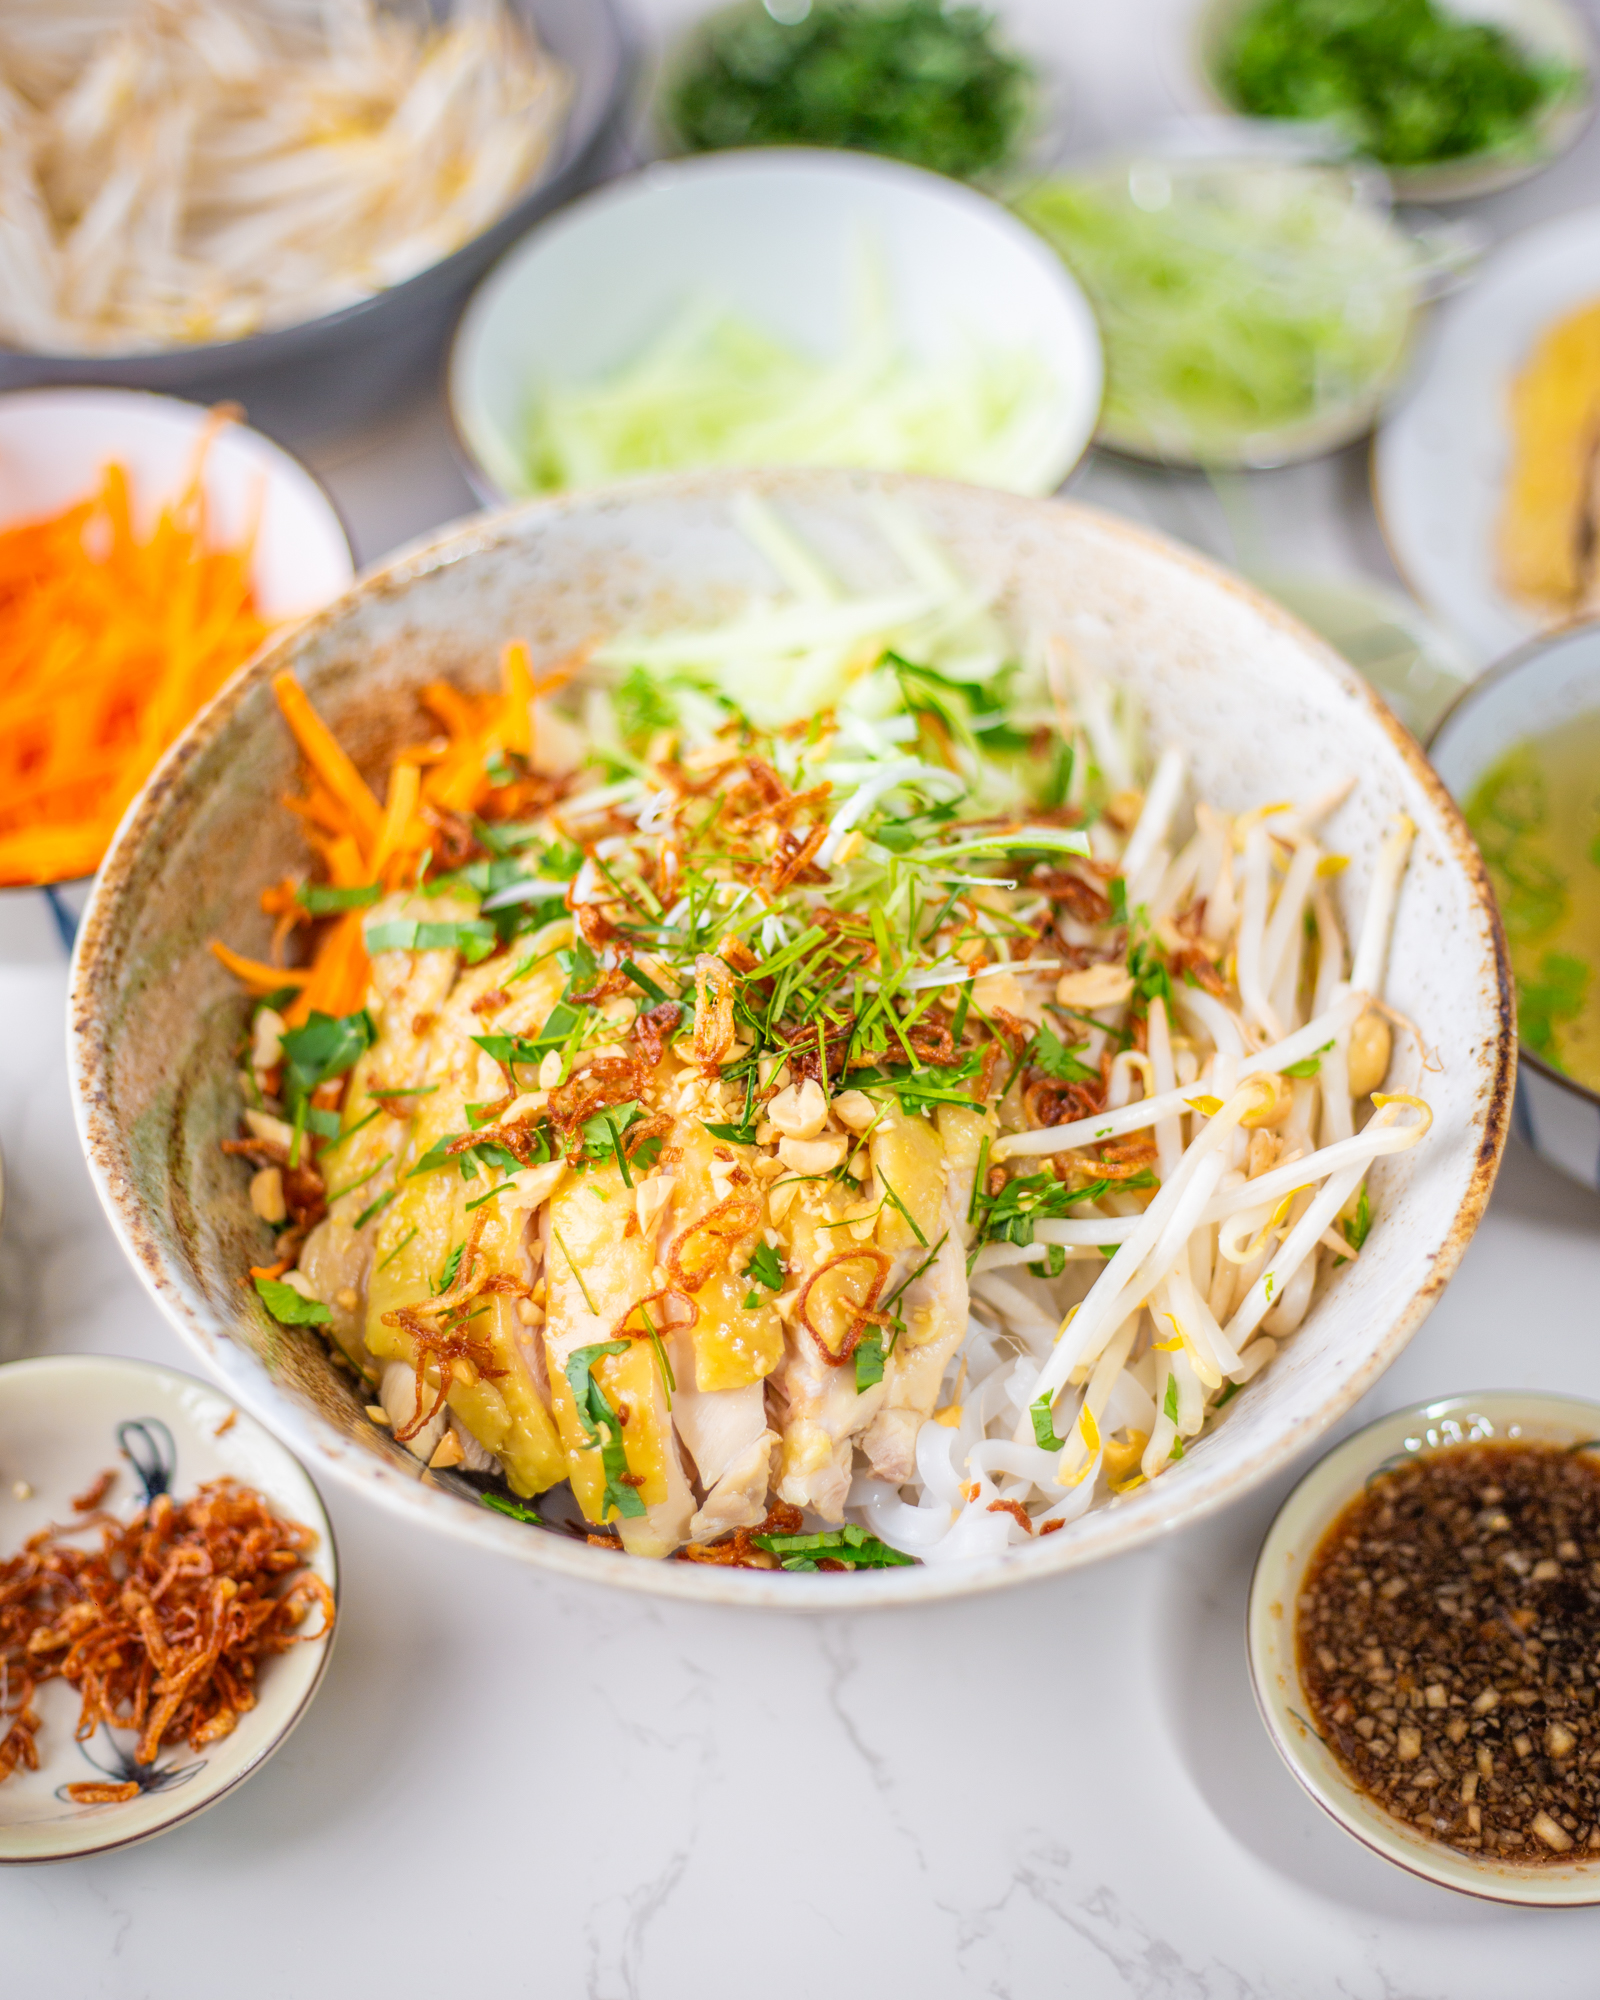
323,753
255,973
405,786
516,681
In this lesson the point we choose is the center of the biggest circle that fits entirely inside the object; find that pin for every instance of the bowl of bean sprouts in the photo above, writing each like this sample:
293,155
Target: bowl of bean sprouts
1043,909
201,193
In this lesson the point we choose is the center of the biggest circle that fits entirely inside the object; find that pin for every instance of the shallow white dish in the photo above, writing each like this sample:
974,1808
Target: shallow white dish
1261,705
1293,1539
1539,689
55,443
776,236
64,1419
1439,462
1548,30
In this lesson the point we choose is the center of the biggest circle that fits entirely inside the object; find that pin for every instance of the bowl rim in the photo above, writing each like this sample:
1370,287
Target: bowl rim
1467,176
406,1493
44,1364
265,346
731,162
1309,1510
1506,669
238,425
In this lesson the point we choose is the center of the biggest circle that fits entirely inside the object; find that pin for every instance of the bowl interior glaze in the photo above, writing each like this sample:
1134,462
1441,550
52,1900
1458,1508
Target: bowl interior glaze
1263,708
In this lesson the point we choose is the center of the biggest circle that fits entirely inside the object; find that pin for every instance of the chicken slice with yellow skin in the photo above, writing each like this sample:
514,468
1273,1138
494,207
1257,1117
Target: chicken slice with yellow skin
933,1306
823,1412
734,1344
507,1413
597,1271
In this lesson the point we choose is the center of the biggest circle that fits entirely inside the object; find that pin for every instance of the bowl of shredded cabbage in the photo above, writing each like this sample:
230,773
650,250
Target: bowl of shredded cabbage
795,1039
772,307
1255,309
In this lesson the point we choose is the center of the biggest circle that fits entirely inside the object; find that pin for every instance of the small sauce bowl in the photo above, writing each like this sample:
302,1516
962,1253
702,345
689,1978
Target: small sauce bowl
1497,1415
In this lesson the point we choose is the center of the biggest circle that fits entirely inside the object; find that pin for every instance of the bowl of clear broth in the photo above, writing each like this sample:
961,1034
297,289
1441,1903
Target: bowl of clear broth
1423,1625
1520,750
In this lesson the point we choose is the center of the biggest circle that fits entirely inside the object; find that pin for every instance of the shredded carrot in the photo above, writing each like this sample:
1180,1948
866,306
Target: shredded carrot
483,763
108,645
255,973
325,756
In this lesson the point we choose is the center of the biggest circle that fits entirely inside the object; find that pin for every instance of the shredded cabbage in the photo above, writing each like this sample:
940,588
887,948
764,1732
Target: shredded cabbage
715,389
1235,301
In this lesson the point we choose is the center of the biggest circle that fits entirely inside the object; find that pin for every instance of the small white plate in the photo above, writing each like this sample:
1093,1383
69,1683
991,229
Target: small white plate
1293,1539
63,1420
776,236
1439,464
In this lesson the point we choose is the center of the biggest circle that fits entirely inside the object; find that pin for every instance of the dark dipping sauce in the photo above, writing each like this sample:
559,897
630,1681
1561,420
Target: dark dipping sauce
1448,1638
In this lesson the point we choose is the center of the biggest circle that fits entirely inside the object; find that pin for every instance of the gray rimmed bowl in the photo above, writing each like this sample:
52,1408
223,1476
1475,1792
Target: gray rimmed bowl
1261,704
303,379
1536,690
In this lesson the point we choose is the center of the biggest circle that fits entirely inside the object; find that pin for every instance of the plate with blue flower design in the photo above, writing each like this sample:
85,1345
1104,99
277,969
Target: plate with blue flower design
66,1420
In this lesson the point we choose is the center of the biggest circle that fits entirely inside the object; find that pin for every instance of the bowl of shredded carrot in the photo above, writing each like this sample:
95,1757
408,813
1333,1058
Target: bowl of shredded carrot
147,548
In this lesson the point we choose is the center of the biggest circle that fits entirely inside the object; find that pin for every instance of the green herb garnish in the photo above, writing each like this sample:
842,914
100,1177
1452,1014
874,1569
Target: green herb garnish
289,1307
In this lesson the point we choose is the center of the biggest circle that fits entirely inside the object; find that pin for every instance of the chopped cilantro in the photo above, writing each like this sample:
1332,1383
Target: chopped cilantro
517,1509
1056,1060
325,1047
869,1360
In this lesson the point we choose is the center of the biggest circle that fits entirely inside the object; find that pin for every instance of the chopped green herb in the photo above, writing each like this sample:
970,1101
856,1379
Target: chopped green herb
375,1209
766,1267
869,1360
473,937
517,1509
850,1545
321,897
290,1307
1310,1066
1056,1060
603,1427
390,1255
323,1048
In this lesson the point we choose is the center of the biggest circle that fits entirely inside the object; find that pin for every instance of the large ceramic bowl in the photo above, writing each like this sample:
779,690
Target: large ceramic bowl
1541,689
1262,707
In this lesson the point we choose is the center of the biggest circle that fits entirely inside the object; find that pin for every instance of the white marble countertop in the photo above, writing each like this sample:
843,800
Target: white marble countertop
528,1789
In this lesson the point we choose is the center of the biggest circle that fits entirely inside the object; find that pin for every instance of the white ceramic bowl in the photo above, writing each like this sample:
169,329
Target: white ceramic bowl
776,236
1548,30
54,444
1292,1541
64,1419
1262,707
1534,692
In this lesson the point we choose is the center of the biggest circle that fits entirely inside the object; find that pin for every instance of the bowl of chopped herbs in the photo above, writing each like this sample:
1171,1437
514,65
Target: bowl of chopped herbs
1452,104
917,80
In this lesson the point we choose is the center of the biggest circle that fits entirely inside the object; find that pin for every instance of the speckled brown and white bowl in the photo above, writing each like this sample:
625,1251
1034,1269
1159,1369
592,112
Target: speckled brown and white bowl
1264,709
